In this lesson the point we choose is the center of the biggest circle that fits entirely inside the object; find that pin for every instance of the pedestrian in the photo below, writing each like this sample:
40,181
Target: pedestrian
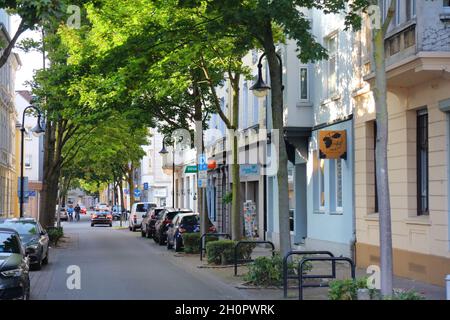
77,212
70,212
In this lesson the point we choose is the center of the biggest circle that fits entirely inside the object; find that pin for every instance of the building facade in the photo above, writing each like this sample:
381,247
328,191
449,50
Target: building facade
418,72
8,159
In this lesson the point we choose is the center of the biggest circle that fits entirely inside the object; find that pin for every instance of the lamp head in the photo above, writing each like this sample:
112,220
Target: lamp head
260,88
38,130
164,150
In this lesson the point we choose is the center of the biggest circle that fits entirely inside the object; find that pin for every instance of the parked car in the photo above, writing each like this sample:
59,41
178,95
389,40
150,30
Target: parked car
14,267
164,219
83,210
148,223
117,212
181,224
33,237
139,211
101,217
63,216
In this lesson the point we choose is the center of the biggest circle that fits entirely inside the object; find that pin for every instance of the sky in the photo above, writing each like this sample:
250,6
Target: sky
30,61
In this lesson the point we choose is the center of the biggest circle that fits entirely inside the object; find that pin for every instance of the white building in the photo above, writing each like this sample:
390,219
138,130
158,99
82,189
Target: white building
156,183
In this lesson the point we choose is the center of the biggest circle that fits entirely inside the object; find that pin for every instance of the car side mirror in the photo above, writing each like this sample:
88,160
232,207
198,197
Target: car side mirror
144,216
170,225
43,233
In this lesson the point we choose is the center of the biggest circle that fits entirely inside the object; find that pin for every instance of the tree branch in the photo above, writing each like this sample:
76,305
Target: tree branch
6,53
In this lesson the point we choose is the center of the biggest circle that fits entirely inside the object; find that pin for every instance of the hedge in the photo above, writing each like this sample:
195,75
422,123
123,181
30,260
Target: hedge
222,251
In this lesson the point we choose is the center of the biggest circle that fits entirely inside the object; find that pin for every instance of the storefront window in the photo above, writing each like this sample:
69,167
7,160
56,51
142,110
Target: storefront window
291,195
322,184
339,185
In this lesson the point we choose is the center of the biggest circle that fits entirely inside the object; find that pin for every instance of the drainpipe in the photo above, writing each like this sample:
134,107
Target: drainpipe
447,280
353,240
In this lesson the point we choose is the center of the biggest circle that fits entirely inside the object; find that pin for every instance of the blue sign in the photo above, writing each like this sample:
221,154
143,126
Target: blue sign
202,163
137,192
32,193
145,185
249,169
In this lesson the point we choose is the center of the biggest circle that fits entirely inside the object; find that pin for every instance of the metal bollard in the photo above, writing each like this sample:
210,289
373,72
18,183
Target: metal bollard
447,280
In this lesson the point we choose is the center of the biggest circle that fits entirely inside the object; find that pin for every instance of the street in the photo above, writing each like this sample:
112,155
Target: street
119,264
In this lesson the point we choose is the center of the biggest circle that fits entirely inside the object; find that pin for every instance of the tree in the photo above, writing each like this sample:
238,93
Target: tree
32,13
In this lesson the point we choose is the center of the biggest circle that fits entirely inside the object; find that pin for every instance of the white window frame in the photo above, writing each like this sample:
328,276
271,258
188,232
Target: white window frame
339,209
334,35
320,174
398,13
304,67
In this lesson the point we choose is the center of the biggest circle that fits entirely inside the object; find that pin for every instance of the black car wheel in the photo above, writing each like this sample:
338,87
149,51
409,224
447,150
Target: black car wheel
129,228
110,224
147,233
26,295
38,265
160,240
177,245
133,229
155,238
92,224
142,233
169,246
45,261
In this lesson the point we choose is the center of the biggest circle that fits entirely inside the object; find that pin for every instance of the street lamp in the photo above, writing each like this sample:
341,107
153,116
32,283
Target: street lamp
37,131
260,88
164,152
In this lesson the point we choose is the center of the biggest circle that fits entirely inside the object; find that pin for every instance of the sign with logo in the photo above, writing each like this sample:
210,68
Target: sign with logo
333,144
145,185
137,193
249,169
202,163
190,169
160,192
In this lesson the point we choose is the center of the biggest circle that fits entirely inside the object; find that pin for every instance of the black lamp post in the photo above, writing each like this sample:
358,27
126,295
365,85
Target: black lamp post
163,152
260,88
37,130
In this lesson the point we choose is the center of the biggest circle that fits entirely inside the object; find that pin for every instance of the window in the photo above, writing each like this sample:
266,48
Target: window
422,163
27,161
446,3
245,106
255,110
410,9
221,123
28,134
291,170
304,90
338,179
332,64
321,184
398,12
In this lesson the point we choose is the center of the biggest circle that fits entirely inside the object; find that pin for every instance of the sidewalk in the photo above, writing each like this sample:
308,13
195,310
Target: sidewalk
226,274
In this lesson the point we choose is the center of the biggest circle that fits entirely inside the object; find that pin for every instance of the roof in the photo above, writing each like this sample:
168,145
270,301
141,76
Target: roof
26,95
8,230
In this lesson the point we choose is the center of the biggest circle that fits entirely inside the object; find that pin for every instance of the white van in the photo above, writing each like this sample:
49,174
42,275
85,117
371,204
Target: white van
139,211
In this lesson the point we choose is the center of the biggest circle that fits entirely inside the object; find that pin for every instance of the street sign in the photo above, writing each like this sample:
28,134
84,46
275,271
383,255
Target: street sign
202,183
202,163
137,193
25,188
145,185
190,169
202,179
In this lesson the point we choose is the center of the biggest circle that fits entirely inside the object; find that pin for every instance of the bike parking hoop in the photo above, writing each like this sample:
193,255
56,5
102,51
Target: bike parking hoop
302,253
203,238
332,259
248,242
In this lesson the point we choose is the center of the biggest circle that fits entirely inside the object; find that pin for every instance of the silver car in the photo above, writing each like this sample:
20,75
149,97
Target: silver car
139,211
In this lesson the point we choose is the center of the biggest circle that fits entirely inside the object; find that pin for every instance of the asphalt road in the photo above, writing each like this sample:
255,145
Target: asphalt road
119,264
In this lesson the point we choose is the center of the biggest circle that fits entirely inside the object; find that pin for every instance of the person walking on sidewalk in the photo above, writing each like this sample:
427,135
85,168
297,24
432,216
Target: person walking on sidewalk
70,212
77,212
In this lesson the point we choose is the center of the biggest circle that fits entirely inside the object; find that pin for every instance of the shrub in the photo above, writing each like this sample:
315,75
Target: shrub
222,251
348,289
191,242
400,294
55,234
268,271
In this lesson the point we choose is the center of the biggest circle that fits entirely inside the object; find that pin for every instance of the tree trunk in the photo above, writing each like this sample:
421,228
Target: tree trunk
130,177
236,216
122,208
384,206
278,124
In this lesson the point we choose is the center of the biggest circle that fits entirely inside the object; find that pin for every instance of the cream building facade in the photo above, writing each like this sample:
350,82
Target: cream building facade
418,71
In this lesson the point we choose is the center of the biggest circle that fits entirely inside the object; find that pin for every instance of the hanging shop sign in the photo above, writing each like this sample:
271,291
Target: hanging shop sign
333,144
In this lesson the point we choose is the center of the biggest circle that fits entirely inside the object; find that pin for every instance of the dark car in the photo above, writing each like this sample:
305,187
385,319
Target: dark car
14,267
101,217
181,224
34,238
117,212
164,219
148,223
